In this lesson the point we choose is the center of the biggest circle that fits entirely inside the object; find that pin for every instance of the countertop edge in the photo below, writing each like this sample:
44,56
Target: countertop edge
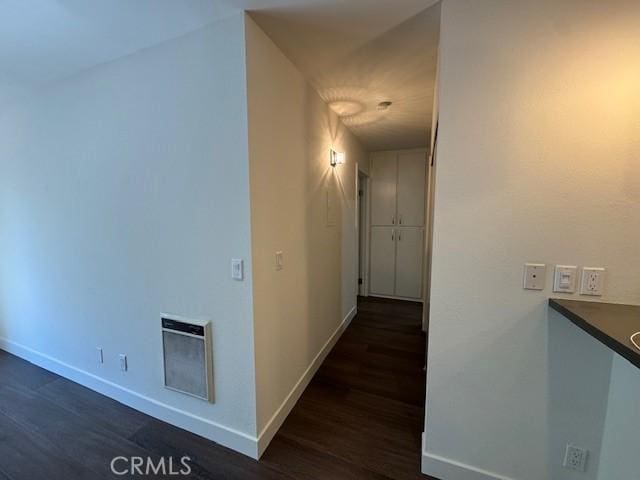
625,351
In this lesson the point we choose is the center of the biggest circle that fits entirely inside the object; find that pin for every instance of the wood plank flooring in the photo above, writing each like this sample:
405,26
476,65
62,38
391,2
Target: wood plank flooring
361,417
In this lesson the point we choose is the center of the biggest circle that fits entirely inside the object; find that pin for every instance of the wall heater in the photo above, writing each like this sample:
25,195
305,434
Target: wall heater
188,358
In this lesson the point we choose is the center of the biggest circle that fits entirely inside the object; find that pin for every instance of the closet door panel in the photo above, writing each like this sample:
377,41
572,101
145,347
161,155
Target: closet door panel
411,188
384,176
410,251
383,260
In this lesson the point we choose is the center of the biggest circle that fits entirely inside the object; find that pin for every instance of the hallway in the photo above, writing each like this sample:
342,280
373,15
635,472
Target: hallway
360,417
362,414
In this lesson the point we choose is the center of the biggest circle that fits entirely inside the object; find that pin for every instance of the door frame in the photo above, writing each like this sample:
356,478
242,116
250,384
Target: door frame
430,209
363,213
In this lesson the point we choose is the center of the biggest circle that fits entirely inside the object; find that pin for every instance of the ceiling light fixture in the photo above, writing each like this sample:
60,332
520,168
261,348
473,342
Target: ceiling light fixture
384,105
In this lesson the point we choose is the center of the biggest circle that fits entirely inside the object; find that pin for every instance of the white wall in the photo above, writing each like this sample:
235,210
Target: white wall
124,192
620,445
299,308
537,161
576,404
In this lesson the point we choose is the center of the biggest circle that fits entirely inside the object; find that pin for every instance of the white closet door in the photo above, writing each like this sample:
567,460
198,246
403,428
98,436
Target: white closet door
384,176
411,187
409,255
383,260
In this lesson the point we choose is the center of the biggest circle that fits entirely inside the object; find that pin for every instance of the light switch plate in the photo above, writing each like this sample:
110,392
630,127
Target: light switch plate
279,260
237,269
592,281
534,276
123,362
564,279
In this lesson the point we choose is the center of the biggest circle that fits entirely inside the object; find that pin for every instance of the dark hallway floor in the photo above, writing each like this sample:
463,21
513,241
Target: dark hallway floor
360,417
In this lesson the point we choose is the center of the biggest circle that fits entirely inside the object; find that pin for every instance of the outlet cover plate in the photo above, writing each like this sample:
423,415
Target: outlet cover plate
534,276
592,281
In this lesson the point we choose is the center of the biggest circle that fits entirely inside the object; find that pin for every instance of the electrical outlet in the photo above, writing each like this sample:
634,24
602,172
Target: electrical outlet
123,362
99,355
575,458
592,281
534,276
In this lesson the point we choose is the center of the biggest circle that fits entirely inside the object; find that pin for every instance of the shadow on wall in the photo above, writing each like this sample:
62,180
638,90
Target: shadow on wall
578,382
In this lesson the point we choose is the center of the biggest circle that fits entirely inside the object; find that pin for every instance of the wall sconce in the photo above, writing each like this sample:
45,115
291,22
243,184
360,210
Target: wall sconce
337,158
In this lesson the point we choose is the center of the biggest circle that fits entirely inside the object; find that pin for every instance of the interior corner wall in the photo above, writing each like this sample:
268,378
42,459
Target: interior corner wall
124,193
305,208
537,161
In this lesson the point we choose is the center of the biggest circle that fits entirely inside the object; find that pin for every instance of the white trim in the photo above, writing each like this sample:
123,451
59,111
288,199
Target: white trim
395,297
364,233
449,469
278,418
228,437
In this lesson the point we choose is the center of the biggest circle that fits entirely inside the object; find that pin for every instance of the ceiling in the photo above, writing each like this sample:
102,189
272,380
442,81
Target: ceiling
356,53
42,41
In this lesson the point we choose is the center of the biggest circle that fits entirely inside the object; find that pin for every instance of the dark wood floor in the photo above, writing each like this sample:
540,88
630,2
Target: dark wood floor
360,418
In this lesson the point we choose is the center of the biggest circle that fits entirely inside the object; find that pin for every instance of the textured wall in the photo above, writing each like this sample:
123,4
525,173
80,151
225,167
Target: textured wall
537,161
124,193
298,308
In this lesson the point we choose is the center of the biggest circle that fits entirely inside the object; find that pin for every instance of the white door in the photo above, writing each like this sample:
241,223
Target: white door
411,187
384,176
383,260
409,262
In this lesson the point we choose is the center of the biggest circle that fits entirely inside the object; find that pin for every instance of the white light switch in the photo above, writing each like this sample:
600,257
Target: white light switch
237,269
564,279
534,276
123,362
279,261
592,281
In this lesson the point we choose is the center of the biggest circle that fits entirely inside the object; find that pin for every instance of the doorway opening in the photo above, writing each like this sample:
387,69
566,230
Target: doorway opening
363,237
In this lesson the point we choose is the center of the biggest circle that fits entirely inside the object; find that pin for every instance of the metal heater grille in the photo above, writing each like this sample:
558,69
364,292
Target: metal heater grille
187,357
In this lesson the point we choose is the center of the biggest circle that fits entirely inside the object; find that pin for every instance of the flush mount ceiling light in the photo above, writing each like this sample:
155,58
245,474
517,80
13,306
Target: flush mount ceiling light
336,158
384,105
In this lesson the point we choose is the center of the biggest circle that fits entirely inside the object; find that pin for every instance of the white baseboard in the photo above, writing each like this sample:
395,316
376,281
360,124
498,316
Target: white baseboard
449,469
233,439
228,437
278,418
394,297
